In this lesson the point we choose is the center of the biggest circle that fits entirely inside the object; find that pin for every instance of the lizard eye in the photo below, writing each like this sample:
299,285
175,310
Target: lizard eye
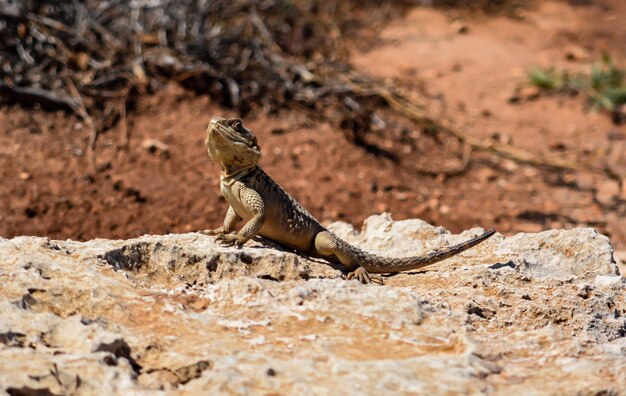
237,126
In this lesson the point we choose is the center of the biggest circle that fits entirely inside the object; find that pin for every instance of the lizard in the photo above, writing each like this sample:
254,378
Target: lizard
269,211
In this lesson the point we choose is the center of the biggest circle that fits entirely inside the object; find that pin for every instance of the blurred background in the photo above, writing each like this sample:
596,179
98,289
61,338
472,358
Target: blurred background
505,114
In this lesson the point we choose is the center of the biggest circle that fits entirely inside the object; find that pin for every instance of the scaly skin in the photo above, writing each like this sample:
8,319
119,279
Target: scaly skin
272,213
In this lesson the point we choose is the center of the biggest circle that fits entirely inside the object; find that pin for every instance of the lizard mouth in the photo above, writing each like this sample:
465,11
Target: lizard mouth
216,128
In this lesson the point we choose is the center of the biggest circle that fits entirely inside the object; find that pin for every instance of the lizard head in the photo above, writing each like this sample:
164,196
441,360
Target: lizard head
232,145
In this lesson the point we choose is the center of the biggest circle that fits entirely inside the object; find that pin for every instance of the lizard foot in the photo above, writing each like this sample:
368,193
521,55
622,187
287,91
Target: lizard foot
365,277
230,240
216,231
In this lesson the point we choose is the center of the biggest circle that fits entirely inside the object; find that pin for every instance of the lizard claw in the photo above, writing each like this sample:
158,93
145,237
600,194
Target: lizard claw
216,231
365,277
230,240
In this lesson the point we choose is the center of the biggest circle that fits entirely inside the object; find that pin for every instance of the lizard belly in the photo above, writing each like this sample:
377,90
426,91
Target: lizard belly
284,224
285,233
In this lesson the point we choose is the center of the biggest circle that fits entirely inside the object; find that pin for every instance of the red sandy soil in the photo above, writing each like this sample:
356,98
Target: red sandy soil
48,187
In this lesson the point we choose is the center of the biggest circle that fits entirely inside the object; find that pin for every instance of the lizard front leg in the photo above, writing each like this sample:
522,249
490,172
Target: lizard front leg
253,203
230,221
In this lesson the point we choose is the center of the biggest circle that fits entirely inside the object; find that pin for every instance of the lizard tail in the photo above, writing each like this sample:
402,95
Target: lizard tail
379,264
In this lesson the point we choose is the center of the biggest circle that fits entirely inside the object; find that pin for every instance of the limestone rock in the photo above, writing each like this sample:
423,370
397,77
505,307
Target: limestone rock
536,313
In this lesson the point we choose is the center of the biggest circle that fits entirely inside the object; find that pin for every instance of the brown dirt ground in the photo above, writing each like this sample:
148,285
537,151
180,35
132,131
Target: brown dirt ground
48,188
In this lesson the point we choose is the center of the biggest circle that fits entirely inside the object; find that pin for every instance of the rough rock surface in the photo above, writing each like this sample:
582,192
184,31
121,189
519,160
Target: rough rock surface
532,314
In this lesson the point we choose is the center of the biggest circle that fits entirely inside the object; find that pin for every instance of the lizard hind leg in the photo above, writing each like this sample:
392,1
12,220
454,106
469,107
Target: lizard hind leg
328,244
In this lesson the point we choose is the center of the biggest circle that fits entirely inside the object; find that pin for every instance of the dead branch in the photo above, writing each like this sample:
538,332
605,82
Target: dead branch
74,55
31,96
416,112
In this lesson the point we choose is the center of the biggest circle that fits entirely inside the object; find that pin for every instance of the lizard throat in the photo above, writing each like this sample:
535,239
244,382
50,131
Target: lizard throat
230,177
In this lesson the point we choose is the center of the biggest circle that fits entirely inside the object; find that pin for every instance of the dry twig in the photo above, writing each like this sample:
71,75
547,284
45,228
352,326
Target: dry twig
416,112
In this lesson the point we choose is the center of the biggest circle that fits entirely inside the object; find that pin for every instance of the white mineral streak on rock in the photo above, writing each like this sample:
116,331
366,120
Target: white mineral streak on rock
530,314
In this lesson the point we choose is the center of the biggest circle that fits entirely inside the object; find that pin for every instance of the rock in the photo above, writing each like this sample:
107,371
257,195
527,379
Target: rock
561,254
615,135
459,27
154,146
576,53
530,92
526,93
620,257
178,313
